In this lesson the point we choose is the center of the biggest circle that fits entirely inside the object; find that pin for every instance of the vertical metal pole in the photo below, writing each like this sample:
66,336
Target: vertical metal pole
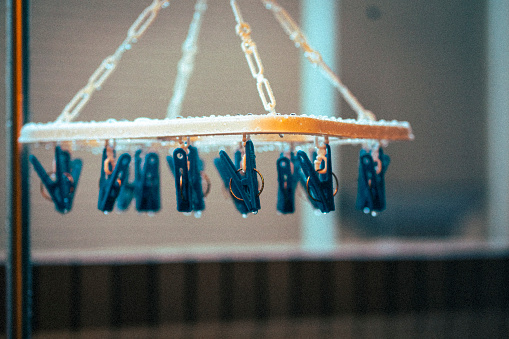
498,120
18,268
320,24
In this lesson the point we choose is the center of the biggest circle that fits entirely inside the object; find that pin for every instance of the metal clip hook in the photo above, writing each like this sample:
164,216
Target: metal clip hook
66,175
243,188
110,180
187,168
319,185
371,181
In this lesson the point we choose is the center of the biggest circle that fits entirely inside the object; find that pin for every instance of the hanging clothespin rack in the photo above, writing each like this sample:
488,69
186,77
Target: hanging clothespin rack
271,128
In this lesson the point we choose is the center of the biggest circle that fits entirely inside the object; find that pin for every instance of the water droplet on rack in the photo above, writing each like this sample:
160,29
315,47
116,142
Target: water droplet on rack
106,212
187,214
197,214
366,210
244,216
374,214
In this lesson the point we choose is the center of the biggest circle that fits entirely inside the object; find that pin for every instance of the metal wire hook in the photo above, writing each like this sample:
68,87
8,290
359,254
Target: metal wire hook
335,192
209,184
108,171
52,175
259,192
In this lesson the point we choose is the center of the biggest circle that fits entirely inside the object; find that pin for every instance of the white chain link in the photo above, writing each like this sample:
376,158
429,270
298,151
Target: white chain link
74,107
186,63
297,36
253,60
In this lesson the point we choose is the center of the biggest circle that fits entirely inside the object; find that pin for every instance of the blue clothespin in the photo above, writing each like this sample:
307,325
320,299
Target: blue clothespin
243,188
187,169
145,187
66,174
126,193
302,178
225,176
288,175
319,179
111,179
371,181
147,183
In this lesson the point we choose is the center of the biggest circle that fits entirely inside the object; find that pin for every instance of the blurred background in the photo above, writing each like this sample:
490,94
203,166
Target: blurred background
430,63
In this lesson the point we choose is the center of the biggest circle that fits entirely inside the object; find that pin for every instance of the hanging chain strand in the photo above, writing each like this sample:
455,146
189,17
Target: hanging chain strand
186,63
108,65
253,60
297,36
